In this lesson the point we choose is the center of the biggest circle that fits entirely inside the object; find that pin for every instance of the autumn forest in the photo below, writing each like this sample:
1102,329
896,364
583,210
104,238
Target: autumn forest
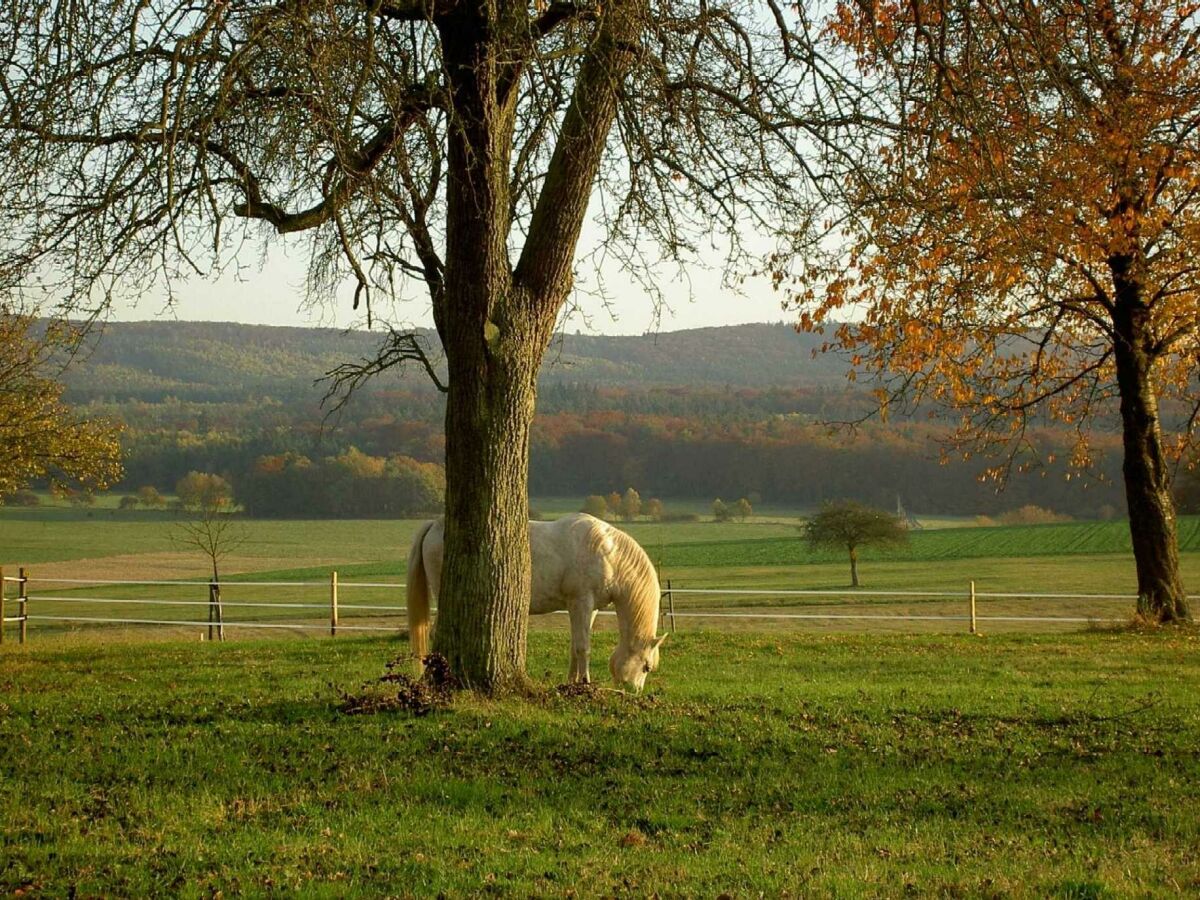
677,416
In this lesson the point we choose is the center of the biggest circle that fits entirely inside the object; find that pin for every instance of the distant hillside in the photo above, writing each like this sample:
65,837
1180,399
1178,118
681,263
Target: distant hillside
208,361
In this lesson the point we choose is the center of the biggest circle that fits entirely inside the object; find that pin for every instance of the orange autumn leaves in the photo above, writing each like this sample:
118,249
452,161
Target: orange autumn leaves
1035,152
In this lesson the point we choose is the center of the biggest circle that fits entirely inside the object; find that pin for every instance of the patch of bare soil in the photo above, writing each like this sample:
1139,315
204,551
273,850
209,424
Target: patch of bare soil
161,566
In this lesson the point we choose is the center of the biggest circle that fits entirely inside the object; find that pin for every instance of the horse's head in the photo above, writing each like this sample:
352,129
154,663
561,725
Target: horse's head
630,665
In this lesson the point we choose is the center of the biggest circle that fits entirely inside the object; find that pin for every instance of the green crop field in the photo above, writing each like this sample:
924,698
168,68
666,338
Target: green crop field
1067,539
875,766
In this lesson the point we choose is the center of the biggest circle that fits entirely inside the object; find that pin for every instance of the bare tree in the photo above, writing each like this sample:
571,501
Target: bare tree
211,529
449,148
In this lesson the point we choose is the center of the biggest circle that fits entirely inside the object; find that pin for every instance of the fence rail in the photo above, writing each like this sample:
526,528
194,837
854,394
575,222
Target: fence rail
54,606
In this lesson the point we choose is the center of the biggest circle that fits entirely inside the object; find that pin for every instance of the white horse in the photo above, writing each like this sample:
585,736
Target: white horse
580,564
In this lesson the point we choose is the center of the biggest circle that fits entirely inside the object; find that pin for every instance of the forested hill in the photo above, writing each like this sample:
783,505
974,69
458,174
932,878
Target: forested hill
719,412
209,361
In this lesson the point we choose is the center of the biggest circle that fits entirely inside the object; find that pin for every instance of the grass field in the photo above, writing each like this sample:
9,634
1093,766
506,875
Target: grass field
1081,557
816,765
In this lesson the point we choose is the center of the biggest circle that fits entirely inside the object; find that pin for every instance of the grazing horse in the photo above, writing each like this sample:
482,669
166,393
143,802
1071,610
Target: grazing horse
580,564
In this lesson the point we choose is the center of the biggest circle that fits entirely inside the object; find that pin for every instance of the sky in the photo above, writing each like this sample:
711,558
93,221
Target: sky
272,293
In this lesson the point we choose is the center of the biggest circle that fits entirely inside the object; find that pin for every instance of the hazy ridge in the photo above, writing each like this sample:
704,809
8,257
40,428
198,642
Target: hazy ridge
216,361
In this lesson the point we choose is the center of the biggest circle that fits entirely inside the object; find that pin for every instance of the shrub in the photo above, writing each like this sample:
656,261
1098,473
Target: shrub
129,502
22,498
595,505
149,497
1032,515
203,490
631,505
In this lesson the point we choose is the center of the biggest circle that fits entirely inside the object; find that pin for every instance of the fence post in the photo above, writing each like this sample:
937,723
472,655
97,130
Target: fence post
333,611
671,605
215,611
3,594
973,631
23,604
220,614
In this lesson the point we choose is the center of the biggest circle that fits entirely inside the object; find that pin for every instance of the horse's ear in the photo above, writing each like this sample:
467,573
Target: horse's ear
659,641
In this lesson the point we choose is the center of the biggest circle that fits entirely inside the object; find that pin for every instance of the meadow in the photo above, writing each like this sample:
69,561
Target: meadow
802,765
765,554
772,758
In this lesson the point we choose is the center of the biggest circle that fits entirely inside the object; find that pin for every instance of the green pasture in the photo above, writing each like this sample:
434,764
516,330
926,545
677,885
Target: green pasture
873,766
59,533
1080,557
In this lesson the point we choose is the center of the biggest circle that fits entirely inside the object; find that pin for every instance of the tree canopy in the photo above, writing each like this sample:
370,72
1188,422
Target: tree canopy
849,526
1024,219
40,436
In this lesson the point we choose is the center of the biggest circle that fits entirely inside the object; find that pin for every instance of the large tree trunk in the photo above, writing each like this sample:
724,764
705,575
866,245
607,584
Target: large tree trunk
495,323
483,605
494,339
1161,595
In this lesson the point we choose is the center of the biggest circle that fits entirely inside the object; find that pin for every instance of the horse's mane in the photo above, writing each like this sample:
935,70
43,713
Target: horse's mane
637,581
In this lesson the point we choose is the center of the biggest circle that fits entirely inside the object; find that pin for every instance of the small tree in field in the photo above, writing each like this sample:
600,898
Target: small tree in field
212,530
595,505
149,497
852,525
613,502
743,510
631,505
654,509
721,511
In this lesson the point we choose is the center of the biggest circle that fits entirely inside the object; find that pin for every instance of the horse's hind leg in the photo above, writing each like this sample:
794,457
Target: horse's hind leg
582,617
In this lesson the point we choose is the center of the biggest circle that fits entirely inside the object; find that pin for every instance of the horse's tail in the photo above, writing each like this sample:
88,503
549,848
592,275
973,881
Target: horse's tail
417,601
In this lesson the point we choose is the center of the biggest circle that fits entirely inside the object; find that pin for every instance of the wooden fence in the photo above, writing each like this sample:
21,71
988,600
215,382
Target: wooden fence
76,602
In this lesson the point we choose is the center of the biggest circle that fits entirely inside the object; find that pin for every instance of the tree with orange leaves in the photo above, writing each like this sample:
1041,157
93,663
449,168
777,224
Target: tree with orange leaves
1025,225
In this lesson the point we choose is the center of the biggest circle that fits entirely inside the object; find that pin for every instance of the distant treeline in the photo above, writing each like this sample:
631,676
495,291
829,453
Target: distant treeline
783,458
349,485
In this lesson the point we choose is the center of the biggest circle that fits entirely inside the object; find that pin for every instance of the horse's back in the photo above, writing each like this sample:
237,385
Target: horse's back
571,557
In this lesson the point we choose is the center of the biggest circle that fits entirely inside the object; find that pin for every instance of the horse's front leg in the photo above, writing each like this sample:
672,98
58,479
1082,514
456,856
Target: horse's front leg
582,617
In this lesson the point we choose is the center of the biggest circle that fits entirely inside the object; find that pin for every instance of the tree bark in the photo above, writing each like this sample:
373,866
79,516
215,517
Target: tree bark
853,566
495,322
483,604
1161,595
494,332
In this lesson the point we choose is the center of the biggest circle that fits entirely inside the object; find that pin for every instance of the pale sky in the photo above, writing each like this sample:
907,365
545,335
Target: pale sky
274,295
